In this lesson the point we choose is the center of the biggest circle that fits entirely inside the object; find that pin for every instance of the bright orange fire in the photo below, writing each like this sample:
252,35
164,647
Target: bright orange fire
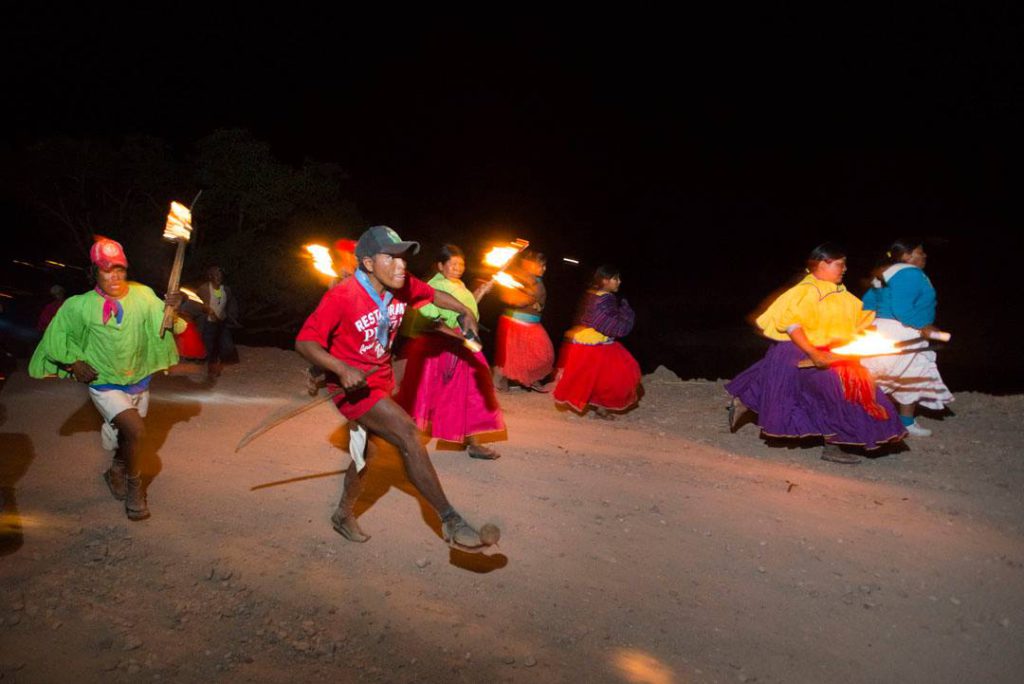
871,343
179,223
500,256
322,260
506,280
190,294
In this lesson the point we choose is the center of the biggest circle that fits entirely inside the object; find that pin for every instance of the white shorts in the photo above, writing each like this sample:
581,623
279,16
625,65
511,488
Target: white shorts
111,403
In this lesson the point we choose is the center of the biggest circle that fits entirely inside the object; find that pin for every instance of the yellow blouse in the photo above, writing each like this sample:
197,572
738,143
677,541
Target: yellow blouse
827,312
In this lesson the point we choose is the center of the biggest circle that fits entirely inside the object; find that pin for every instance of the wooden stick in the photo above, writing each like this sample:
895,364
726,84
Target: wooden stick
286,413
172,286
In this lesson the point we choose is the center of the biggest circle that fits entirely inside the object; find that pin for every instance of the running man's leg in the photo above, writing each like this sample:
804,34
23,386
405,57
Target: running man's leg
391,423
122,432
130,432
344,518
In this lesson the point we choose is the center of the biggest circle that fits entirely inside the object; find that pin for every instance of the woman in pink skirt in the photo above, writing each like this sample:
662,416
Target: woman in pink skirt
447,388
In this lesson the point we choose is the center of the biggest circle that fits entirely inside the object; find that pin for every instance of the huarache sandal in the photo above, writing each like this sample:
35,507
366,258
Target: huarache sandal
482,452
460,535
737,409
832,452
348,527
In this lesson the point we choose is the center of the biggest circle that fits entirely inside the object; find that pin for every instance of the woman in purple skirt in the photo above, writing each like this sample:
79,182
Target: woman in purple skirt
835,399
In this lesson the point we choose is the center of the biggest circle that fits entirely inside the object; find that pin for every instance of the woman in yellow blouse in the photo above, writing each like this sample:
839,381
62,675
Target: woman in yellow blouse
836,399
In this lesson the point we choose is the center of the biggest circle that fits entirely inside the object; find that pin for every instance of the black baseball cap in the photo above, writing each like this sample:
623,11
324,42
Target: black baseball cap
383,240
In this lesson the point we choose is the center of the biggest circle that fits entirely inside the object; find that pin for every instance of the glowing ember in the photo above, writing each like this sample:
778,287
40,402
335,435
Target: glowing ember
190,294
500,256
322,260
505,279
871,343
179,223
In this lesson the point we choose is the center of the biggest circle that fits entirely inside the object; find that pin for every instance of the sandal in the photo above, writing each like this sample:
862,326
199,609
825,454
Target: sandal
737,409
348,527
833,453
482,452
458,534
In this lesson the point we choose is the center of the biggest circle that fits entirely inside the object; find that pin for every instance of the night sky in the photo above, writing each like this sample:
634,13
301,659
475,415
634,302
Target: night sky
704,154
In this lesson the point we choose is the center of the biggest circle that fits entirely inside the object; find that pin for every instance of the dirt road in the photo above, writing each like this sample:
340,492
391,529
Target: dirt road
655,548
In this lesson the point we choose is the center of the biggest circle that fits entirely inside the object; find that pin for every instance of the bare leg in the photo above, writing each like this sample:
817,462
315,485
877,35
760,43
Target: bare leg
344,519
388,421
130,433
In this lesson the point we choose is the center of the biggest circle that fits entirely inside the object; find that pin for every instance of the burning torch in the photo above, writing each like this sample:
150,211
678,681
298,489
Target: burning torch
873,343
179,231
322,261
501,257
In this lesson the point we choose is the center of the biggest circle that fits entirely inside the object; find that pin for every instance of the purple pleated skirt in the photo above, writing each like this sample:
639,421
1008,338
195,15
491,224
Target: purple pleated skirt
809,402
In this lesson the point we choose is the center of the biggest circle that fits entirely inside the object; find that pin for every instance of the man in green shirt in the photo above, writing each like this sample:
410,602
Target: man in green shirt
109,338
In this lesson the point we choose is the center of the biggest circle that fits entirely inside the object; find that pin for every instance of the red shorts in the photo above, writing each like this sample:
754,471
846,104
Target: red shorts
353,405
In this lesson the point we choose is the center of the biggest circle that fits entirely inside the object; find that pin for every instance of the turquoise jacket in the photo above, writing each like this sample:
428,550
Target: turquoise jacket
905,294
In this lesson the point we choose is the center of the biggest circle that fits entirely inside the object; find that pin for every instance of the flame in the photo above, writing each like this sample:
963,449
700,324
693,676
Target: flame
500,256
505,279
322,260
190,294
179,223
871,343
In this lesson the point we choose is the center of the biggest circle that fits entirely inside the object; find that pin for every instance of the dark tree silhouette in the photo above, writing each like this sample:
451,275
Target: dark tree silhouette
253,217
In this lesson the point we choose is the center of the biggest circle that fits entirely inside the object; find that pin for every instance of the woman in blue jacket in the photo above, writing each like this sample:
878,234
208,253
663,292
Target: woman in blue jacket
904,300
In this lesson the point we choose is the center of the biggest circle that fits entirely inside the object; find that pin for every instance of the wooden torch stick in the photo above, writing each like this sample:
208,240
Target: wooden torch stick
179,231
172,286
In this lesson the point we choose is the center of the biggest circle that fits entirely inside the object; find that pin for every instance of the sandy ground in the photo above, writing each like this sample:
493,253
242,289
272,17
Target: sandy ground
655,548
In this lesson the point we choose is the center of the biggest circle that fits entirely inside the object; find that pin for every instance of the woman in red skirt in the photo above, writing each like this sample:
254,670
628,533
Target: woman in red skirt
523,351
595,369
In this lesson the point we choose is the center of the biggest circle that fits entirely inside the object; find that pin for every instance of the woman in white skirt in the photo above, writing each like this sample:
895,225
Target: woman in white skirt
904,300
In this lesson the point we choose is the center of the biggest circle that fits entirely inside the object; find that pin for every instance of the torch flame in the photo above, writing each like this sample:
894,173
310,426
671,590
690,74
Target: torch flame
506,280
190,294
179,223
500,256
322,260
871,343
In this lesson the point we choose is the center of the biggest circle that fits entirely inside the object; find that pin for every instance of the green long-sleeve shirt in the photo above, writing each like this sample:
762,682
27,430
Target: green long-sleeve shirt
122,354
423,317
